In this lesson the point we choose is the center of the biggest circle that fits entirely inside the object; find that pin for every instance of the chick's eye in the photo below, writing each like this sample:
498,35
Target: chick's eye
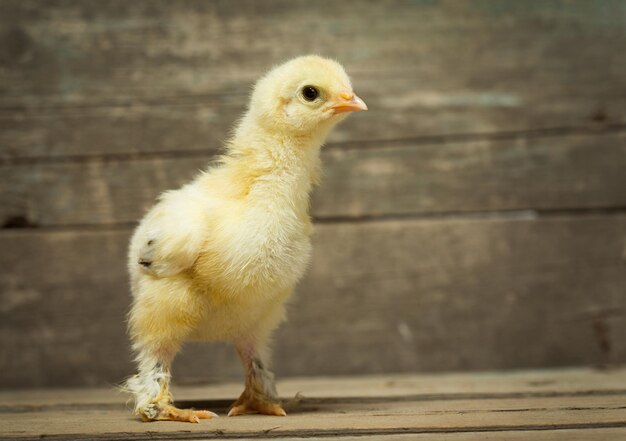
310,93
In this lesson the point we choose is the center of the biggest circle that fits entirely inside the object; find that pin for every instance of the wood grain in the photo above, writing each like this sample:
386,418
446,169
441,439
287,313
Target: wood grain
325,420
382,296
590,414
528,383
565,172
509,435
84,78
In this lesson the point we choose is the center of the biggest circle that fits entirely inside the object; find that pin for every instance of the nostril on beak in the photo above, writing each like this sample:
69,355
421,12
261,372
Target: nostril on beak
346,96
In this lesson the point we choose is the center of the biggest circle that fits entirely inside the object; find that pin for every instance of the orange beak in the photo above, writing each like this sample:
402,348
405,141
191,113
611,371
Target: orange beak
349,102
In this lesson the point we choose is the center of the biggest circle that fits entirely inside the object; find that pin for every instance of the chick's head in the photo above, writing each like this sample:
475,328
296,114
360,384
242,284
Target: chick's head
306,95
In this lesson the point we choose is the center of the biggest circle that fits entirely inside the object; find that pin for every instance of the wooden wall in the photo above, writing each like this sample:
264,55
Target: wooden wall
473,218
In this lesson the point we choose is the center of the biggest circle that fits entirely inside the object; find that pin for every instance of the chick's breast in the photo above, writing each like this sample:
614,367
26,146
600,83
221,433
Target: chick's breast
253,252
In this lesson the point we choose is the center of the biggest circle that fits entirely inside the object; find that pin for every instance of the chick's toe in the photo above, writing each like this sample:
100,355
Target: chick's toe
248,403
171,413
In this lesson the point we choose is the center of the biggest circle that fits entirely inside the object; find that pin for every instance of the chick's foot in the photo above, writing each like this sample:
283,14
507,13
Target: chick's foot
155,412
254,403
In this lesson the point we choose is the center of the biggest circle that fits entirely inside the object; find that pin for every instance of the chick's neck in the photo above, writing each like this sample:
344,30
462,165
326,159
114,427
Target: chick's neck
274,165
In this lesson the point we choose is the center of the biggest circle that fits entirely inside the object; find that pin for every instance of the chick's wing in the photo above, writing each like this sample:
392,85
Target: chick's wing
170,237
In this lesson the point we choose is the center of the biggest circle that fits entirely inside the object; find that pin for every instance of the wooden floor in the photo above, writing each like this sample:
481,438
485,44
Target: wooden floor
574,404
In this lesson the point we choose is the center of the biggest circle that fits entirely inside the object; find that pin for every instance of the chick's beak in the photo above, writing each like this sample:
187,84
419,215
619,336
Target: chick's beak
348,102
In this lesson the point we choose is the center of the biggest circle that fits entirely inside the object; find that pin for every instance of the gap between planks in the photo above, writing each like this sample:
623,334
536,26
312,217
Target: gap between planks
290,404
591,129
496,215
357,434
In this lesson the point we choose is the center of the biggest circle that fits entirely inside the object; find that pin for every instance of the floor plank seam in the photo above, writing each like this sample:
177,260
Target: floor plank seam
308,433
211,151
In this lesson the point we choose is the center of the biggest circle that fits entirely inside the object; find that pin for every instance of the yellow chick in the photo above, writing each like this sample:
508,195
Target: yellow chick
218,258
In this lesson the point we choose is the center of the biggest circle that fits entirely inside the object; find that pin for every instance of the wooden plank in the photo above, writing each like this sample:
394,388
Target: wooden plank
583,171
386,415
197,127
456,177
327,419
161,76
562,382
380,296
524,435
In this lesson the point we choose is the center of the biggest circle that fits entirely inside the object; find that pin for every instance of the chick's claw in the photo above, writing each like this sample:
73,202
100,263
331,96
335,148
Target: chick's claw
171,413
151,263
146,254
256,406
145,263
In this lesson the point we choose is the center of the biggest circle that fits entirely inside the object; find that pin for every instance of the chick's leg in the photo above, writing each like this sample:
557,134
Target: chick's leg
162,316
153,400
259,395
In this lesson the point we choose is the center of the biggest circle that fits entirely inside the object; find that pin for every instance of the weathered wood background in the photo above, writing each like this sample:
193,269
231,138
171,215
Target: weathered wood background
473,218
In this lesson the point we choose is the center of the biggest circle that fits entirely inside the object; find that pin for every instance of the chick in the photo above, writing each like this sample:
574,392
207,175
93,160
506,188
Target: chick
218,258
